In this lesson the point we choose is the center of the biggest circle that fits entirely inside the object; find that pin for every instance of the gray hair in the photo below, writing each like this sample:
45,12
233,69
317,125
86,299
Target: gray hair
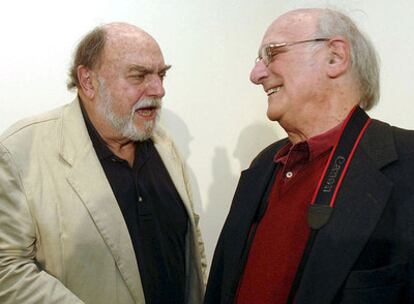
364,59
87,53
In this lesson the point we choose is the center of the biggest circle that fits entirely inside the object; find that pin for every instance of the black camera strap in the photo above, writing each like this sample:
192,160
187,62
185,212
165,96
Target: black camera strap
323,201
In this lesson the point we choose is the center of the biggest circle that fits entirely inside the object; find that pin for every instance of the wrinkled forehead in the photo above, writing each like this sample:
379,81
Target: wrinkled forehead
132,46
292,26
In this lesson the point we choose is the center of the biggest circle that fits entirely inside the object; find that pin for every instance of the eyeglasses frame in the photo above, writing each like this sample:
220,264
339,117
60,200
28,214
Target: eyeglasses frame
270,47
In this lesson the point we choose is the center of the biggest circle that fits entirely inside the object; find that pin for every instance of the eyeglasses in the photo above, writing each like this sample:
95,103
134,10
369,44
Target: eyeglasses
270,50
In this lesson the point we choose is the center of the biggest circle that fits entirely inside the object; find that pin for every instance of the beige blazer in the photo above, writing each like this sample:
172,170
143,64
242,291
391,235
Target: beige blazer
62,235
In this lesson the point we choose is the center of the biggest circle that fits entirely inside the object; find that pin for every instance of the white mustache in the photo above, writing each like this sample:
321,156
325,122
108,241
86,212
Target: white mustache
148,102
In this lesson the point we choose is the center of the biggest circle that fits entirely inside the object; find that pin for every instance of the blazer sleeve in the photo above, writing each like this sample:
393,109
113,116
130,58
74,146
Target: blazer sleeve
22,280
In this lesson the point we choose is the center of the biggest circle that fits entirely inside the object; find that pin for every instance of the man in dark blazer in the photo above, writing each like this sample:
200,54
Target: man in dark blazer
320,73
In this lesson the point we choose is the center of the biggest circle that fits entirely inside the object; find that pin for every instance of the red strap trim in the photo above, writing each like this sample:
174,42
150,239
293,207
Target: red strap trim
332,154
351,155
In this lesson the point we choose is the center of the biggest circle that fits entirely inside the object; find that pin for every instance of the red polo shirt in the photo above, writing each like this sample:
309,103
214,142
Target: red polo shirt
282,233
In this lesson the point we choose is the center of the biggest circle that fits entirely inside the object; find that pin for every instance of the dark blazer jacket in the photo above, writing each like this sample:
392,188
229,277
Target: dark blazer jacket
364,254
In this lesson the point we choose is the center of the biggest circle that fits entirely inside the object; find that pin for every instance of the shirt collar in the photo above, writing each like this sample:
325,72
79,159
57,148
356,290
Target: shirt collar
310,149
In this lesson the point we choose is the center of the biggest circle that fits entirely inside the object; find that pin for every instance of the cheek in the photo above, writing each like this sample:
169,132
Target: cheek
132,94
127,96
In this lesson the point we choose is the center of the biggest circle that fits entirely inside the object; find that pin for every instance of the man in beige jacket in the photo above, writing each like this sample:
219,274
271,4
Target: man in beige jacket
95,204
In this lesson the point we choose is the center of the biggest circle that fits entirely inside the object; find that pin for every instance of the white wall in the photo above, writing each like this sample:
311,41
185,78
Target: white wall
216,116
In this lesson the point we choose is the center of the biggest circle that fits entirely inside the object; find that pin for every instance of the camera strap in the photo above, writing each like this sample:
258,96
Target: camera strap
323,200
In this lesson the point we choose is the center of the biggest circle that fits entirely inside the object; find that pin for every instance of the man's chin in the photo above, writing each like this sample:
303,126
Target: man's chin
142,133
273,116
138,136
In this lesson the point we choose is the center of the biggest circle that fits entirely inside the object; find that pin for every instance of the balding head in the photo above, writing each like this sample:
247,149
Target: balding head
121,34
294,25
122,28
116,36
126,41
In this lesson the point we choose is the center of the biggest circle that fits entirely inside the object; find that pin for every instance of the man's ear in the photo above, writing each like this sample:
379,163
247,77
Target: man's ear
339,59
85,77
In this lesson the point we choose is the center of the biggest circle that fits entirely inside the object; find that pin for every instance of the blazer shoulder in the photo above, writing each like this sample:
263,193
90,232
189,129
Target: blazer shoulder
268,153
403,139
386,144
30,125
37,134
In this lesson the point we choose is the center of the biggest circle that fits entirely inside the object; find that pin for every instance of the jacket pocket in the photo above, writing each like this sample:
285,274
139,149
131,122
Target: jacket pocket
382,285
379,277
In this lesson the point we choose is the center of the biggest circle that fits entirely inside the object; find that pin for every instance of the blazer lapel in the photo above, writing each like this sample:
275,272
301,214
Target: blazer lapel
88,180
248,200
248,197
358,207
173,164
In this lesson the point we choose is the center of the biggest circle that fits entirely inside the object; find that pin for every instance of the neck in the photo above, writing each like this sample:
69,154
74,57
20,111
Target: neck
124,150
122,147
301,129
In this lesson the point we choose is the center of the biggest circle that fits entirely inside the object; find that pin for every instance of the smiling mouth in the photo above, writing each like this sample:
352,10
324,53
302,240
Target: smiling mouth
273,90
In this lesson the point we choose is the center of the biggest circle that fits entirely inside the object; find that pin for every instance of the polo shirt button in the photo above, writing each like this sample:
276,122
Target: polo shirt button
289,174
139,199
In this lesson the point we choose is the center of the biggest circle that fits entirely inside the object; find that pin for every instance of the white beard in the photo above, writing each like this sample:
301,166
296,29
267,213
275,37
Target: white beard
125,125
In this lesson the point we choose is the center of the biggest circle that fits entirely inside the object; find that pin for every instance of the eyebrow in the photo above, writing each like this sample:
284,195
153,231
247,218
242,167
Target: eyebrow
145,70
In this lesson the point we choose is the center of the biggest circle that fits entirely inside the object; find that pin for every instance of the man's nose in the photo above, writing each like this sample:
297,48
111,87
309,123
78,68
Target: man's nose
258,73
155,86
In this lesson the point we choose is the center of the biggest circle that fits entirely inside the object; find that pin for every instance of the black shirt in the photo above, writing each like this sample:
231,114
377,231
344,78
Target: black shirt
154,214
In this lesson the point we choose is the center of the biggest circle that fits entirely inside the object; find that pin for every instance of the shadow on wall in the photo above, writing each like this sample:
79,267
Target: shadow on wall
251,141
220,194
182,138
